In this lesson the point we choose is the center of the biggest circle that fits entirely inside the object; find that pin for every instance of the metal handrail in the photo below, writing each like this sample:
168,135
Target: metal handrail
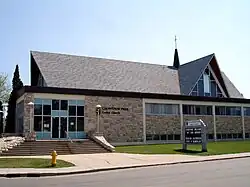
68,136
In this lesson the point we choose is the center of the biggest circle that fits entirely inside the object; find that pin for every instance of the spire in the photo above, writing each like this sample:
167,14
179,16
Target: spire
175,40
176,56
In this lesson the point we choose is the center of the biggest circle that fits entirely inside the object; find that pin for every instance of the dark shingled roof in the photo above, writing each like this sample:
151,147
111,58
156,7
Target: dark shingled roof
82,72
232,90
69,71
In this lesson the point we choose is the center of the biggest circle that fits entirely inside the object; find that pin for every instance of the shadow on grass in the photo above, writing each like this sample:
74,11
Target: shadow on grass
188,151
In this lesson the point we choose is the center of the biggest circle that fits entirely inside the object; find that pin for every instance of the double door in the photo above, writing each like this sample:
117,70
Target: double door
59,127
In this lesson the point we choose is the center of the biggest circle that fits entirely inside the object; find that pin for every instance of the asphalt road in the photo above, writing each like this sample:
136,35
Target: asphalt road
230,173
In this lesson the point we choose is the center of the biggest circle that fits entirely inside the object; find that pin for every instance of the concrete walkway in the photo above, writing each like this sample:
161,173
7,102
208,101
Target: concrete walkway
108,161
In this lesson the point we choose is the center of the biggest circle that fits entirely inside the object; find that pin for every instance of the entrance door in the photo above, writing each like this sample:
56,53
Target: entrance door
55,127
63,124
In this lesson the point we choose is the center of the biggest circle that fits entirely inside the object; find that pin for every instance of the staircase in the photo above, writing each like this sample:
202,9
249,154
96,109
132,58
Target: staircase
62,148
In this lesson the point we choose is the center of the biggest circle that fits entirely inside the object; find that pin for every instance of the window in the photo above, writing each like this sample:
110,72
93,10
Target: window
247,135
227,111
148,137
230,136
207,86
219,93
80,110
156,137
210,136
197,110
195,88
70,113
162,109
37,109
46,109
240,135
213,89
55,104
163,137
80,123
72,123
223,136
64,105
218,136
201,88
72,110
170,137
38,123
194,93
246,111
206,82
220,110
177,137
46,123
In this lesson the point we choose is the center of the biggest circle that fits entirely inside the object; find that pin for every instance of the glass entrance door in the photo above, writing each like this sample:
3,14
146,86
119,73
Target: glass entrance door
59,127
55,127
63,127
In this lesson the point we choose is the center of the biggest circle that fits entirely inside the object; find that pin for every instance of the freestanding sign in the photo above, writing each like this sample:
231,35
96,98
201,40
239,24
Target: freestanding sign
194,132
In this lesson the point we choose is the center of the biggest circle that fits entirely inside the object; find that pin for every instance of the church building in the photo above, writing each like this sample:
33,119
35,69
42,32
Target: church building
140,102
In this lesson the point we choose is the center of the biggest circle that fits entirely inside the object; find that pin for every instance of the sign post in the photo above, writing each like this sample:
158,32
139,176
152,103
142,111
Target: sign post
194,132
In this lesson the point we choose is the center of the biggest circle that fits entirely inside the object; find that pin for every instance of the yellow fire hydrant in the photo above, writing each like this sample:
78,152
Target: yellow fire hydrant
53,159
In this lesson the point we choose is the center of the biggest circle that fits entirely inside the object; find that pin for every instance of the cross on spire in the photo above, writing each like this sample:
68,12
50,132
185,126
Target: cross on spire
176,56
175,40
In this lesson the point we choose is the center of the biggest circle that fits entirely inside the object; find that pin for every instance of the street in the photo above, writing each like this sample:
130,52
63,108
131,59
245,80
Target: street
228,173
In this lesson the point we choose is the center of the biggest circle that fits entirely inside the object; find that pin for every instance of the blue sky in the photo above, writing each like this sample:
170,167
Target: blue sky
139,30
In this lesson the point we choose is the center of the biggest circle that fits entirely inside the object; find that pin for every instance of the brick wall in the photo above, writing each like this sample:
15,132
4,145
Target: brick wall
228,124
156,124
247,124
126,126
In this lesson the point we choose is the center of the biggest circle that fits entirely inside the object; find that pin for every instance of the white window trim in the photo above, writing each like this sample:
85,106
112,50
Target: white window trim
165,101
206,84
216,80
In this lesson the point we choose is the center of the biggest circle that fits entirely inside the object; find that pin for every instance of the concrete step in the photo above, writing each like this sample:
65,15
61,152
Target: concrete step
61,147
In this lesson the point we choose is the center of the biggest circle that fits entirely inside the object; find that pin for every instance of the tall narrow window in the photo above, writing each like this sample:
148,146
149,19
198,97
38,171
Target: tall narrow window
206,83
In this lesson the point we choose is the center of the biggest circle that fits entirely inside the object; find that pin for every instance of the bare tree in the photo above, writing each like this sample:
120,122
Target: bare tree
5,88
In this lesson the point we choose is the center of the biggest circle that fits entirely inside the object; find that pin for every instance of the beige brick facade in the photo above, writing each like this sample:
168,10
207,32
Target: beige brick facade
156,124
122,124
228,124
122,118
208,120
247,124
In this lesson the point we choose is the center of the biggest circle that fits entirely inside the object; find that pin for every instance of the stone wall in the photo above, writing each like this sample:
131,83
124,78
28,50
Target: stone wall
208,120
156,124
228,124
247,124
28,110
122,124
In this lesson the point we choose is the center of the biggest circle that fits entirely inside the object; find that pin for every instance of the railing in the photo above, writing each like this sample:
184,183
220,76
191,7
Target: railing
68,136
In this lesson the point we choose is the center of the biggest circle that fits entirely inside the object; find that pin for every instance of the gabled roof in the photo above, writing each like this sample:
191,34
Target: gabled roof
232,90
190,72
81,72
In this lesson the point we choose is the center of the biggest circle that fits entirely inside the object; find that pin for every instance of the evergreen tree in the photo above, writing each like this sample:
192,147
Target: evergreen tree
17,84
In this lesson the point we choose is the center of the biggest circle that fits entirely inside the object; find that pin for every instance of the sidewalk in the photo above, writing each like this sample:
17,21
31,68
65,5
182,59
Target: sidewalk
86,163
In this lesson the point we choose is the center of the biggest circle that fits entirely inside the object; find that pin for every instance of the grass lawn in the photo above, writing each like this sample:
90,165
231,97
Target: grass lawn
214,148
31,163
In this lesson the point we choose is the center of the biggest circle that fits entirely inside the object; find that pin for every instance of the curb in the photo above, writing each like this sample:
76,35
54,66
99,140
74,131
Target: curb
16,175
